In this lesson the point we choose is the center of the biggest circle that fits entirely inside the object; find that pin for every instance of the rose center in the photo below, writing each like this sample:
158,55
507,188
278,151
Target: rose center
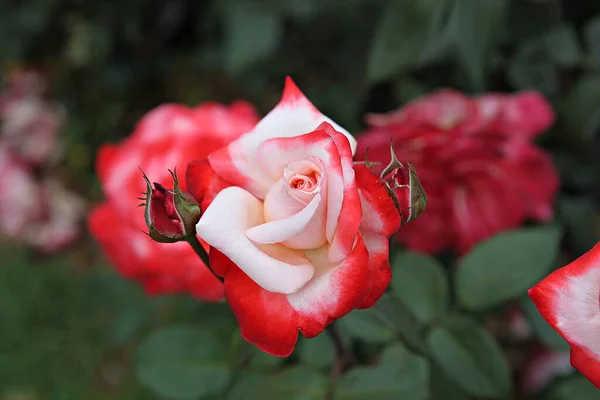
303,177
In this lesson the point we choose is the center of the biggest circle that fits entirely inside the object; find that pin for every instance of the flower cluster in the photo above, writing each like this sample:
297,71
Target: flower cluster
35,209
476,161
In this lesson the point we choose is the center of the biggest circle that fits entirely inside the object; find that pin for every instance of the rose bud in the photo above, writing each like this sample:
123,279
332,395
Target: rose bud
403,185
171,215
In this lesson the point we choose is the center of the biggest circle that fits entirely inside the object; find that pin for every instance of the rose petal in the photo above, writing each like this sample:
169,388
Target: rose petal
568,301
203,183
272,321
223,226
378,247
294,115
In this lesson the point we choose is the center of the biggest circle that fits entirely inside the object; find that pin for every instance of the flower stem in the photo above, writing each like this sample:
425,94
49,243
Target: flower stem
195,243
344,358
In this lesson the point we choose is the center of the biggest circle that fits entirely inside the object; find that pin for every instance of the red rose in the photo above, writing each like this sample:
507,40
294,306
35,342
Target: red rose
476,162
298,231
166,138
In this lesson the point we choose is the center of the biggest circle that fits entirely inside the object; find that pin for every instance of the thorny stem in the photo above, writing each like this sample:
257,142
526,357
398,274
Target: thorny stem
195,243
344,358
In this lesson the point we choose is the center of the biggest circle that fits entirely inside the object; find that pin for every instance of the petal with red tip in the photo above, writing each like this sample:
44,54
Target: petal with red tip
294,115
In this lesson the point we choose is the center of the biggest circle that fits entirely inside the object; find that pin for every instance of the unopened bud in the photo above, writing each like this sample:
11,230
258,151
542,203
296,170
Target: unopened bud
171,215
404,187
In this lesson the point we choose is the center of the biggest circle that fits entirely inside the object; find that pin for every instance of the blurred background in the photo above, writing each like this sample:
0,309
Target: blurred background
77,74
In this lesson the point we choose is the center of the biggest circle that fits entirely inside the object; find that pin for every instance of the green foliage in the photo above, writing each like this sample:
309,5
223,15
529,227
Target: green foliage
471,357
576,387
421,283
399,375
505,266
297,383
184,363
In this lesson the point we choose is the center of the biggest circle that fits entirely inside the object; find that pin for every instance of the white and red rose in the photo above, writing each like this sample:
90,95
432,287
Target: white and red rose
568,299
166,138
299,232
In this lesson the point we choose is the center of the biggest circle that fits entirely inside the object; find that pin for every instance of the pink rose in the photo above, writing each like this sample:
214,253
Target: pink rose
299,232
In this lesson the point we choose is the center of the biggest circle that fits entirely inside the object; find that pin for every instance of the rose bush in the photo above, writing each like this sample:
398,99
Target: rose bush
298,231
568,301
475,160
167,137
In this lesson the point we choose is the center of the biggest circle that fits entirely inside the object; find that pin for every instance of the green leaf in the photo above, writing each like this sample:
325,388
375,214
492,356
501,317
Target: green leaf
183,363
397,315
470,356
318,351
505,266
592,39
253,32
368,325
580,110
399,375
420,282
296,383
475,29
400,35
574,388
442,387
543,331
563,46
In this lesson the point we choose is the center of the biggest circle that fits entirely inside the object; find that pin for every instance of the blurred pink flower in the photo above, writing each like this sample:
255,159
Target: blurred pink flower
476,162
29,123
18,196
41,214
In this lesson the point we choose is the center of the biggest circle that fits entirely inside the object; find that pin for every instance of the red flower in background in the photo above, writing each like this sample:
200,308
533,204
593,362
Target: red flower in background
476,162
168,137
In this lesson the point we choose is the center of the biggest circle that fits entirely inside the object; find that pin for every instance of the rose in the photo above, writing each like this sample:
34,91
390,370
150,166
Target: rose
299,233
167,137
475,160
40,213
29,124
568,301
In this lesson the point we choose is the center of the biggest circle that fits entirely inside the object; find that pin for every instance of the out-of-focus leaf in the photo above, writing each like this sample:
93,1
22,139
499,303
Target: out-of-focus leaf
298,383
475,28
318,351
368,325
573,388
530,68
563,46
399,375
252,34
580,216
420,282
543,331
183,363
401,319
442,387
580,110
471,357
505,266
388,318
592,38
400,35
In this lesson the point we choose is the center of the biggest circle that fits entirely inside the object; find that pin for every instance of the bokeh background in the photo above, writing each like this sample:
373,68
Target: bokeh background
70,327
